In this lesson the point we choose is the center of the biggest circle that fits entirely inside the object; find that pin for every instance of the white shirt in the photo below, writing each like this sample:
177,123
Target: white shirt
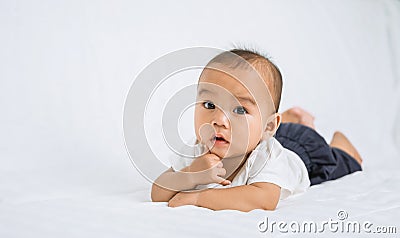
268,162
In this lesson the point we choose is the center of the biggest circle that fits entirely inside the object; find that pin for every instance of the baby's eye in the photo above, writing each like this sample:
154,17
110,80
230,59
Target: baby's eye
240,110
209,105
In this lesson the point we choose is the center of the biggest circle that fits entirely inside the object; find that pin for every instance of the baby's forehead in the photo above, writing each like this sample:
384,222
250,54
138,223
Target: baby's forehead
216,81
235,80
213,91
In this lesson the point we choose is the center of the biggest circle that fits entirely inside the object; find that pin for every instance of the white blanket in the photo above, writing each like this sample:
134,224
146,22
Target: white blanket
370,196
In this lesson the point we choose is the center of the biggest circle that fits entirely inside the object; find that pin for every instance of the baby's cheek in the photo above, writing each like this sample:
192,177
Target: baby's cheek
239,141
248,138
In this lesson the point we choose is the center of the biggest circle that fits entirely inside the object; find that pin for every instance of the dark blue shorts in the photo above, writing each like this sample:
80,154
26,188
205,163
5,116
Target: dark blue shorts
322,161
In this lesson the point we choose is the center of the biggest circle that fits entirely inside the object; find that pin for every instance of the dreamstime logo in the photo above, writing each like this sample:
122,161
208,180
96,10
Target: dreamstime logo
179,100
342,215
339,225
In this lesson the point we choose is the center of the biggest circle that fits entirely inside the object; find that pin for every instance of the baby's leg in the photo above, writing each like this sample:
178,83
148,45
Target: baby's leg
340,141
299,116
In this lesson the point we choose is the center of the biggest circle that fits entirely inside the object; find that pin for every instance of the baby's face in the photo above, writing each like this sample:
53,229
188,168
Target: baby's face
228,119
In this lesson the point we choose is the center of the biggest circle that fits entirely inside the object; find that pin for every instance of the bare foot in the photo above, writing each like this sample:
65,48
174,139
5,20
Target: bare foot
298,115
339,140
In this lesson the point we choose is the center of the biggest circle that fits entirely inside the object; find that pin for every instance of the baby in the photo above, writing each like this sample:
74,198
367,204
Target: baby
248,156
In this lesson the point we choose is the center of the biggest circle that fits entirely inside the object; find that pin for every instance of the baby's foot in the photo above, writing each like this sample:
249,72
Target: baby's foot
339,140
298,115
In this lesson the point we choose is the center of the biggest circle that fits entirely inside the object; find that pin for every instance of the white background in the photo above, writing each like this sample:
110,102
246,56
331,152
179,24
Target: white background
66,67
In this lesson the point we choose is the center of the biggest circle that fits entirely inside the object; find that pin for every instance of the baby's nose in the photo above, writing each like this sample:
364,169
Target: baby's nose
220,118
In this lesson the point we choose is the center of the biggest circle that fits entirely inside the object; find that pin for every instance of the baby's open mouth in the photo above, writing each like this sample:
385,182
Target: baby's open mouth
219,139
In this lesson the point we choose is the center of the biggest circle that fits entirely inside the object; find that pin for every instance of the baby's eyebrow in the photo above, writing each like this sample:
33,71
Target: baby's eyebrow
244,98
203,90
240,98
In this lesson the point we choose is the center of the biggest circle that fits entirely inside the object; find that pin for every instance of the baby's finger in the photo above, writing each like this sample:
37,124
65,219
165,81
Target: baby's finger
221,172
224,182
206,149
203,146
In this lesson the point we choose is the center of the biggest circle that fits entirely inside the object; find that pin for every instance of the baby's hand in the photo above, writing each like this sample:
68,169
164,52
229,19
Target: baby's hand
208,169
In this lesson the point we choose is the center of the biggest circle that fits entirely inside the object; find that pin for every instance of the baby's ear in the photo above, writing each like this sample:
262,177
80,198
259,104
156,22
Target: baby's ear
272,125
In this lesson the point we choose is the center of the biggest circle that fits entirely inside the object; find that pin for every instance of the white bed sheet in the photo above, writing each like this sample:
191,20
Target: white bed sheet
371,195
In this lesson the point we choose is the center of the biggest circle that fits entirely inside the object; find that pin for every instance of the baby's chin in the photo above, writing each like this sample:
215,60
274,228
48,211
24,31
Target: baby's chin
222,150
225,154
219,153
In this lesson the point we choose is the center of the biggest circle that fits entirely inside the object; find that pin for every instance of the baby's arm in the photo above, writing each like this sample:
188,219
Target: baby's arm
203,170
260,195
176,181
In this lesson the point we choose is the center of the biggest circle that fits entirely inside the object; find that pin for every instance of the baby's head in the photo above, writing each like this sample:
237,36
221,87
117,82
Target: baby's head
238,98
